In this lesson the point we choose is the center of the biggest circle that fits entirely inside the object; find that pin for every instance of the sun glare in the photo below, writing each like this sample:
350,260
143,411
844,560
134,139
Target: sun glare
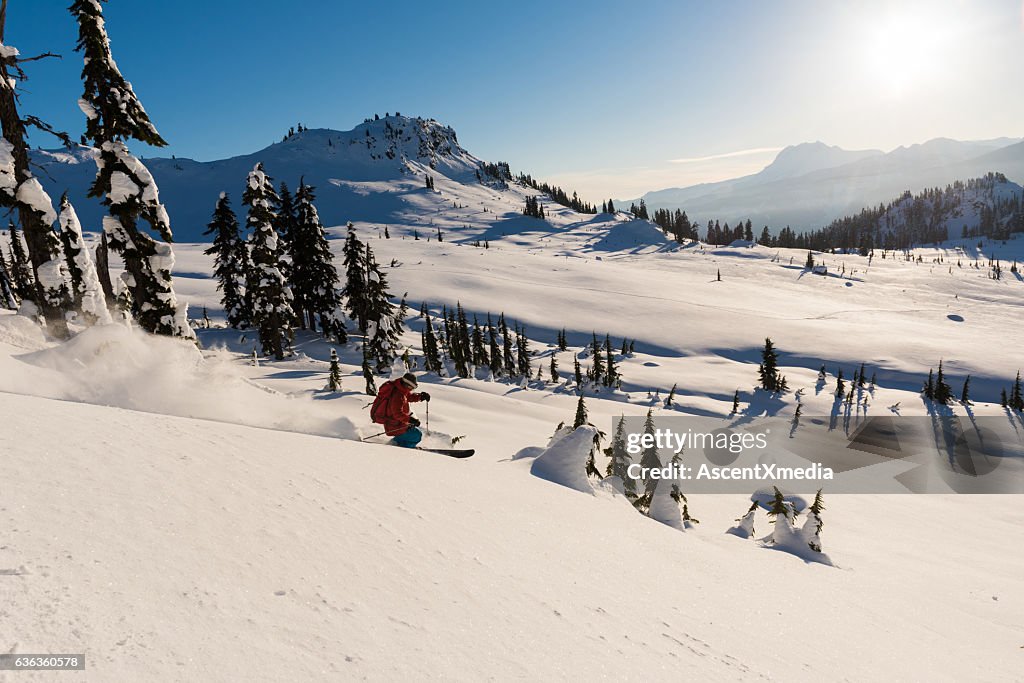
904,51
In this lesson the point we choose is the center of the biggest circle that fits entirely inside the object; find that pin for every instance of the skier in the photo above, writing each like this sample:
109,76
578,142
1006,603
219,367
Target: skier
391,409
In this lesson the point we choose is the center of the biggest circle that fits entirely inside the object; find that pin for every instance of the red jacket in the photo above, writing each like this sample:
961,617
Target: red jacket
391,407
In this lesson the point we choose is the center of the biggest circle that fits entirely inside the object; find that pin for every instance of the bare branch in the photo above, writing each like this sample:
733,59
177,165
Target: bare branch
37,57
36,122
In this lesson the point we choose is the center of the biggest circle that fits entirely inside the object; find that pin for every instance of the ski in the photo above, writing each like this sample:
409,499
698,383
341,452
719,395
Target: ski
450,452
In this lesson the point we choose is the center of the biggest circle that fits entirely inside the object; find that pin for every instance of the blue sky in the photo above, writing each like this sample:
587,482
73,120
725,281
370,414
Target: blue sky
606,97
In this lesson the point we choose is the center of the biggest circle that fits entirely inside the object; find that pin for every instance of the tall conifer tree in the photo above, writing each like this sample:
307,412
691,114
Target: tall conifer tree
314,277
495,350
619,460
22,192
384,321
268,291
230,262
431,354
356,270
115,115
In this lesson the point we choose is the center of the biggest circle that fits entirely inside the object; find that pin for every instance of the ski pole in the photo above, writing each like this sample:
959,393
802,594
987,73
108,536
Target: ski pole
428,417
373,436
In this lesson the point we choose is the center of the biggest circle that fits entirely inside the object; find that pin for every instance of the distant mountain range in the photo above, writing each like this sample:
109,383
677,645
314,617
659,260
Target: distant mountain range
809,185
806,187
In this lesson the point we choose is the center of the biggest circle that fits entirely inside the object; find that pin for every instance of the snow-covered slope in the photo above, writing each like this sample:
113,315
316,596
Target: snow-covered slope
178,549
833,184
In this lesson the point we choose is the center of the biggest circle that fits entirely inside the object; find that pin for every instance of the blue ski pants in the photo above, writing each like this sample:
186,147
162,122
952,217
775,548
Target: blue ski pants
409,438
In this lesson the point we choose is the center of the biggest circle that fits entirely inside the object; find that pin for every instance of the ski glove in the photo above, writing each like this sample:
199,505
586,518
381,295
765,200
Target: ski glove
414,421
424,396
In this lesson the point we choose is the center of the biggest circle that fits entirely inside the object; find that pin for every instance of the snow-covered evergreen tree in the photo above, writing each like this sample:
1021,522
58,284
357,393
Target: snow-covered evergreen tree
671,396
384,324
619,459
522,352
506,340
965,392
785,534
356,270
1016,397
744,527
942,392
86,294
267,291
8,298
768,372
334,376
581,420
115,115
480,356
21,192
371,385
230,262
688,520
781,506
597,368
611,378
458,341
929,386
285,221
314,277
812,525
431,354
494,350
21,267
648,460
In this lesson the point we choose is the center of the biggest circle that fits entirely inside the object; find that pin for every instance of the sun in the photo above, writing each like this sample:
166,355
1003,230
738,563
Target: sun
904,51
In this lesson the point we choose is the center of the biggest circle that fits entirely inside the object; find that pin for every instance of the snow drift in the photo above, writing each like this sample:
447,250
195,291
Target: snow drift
116,366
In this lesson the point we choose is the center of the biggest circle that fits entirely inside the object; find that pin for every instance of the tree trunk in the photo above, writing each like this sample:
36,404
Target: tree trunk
103,272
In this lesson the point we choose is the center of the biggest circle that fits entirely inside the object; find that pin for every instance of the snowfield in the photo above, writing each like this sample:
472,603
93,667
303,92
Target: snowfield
172,548
186,514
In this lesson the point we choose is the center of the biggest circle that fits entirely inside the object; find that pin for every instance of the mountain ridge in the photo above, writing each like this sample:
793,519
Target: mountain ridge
386,149
777,197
